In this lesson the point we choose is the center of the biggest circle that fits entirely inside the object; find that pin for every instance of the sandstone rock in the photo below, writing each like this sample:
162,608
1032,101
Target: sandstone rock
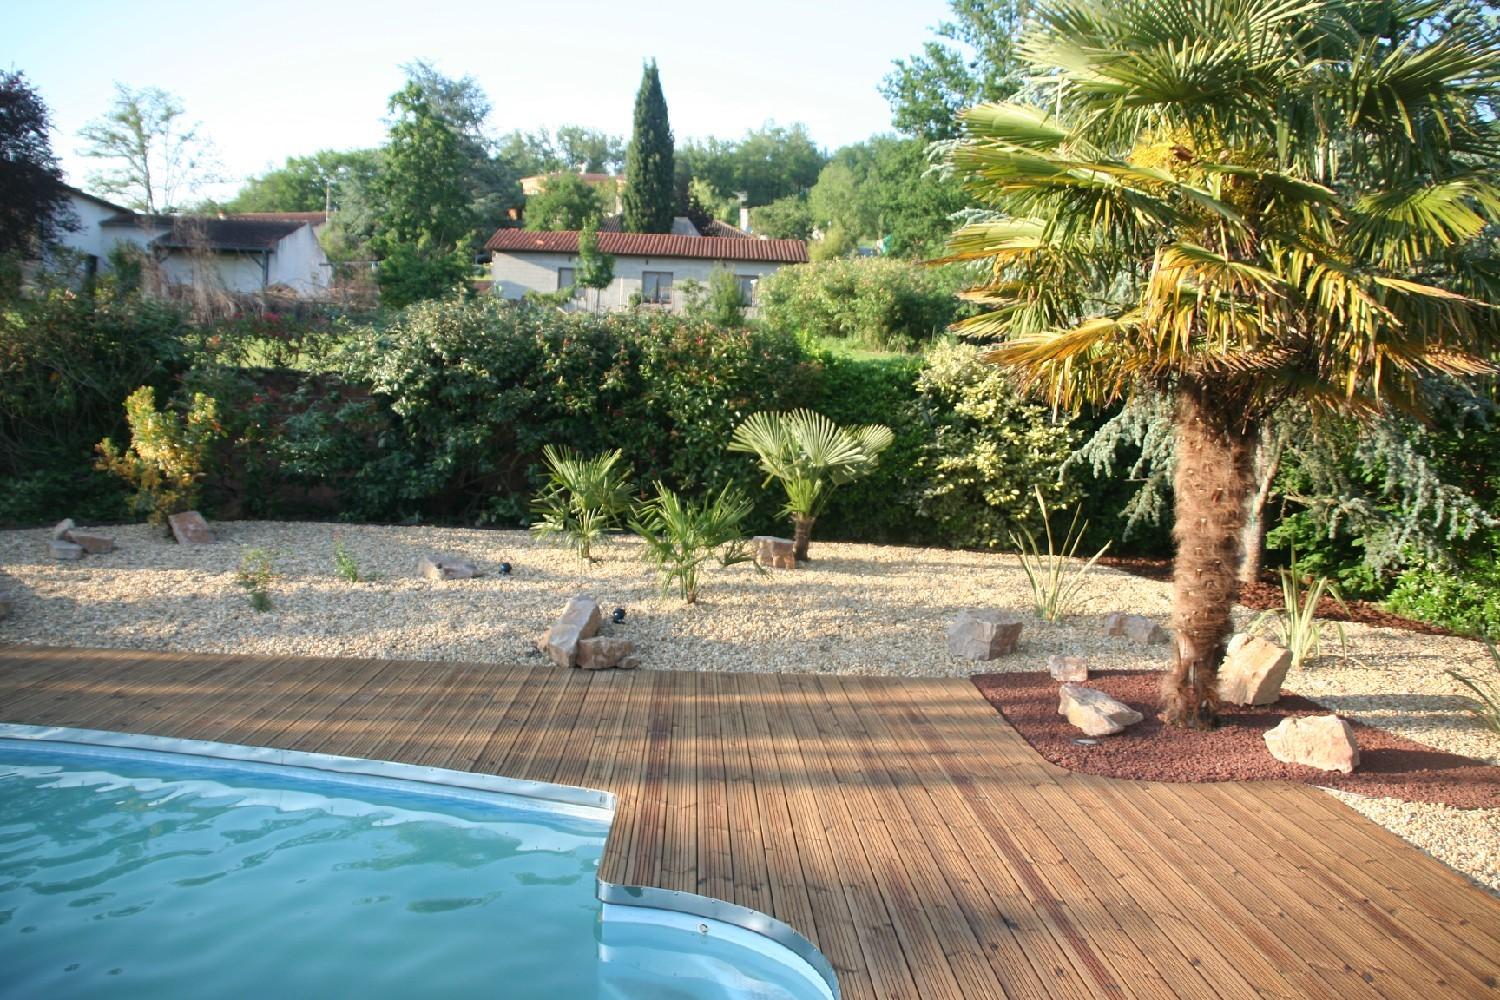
189,528
66,550
602,652
61,528
1068,668
435,567
579,620
1253,671
982,634
774,553
630,663
93,543
1138,628
1322,741
1093,711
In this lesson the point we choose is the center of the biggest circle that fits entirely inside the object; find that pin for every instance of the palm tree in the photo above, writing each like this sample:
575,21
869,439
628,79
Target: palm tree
811,455
1255,206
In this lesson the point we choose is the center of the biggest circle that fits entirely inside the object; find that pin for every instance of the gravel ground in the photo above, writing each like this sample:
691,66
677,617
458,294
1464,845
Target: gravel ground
856,609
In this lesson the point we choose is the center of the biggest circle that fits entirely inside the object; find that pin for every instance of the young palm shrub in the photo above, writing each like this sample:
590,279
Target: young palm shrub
1296,623
584,498
1055,576
681,536
811,456
1486,704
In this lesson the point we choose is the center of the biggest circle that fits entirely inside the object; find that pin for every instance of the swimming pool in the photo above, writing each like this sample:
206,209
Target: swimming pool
140,866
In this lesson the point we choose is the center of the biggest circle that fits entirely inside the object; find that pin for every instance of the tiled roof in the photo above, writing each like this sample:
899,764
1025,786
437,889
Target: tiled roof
716,229
316,218
654,245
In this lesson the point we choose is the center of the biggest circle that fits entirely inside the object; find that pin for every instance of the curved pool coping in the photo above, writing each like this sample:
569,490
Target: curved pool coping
648,897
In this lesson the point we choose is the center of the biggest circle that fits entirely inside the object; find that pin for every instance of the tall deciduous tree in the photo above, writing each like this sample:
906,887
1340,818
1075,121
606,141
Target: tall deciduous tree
159,158
648,200
1250,206
974,59
33,199
424,221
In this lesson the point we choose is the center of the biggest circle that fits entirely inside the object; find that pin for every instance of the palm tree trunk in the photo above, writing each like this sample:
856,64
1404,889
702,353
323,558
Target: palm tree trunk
801,534
1215,468
1267,465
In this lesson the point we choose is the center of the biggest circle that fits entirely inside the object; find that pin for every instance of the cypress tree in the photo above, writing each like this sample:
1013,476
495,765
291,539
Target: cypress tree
648,197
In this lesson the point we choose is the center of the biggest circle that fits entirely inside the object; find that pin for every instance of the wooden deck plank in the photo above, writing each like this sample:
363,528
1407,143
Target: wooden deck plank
903,826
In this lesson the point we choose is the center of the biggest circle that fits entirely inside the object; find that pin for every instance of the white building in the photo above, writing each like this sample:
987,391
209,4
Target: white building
651,265
238,254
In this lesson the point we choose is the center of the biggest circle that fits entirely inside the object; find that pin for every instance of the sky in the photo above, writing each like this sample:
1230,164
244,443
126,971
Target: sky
276,79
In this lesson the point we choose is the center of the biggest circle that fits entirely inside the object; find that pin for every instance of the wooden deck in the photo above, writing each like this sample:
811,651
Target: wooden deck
901,825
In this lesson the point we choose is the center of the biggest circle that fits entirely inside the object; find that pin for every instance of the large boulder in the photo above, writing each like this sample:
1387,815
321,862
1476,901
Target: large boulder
436,567
1137,628
1322,741
1253,671
189,528
1068,669
774,553
603,652
579,620
1093,711
982,634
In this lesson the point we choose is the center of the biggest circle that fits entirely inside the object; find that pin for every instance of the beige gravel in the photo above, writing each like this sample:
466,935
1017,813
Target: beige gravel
856,609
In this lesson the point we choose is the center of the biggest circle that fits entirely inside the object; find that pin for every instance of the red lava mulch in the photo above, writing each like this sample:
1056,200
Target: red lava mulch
1266,595
1390,765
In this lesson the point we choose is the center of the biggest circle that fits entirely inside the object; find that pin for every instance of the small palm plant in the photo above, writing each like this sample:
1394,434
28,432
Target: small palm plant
1296,623
1485,706
681,536
811,456
1055,577
256,573
584,498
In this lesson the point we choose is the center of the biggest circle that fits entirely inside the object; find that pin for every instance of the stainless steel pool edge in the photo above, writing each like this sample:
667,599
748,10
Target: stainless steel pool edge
648,897
709,908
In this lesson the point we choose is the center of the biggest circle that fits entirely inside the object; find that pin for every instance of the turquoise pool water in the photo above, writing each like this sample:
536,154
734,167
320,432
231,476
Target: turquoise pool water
136,874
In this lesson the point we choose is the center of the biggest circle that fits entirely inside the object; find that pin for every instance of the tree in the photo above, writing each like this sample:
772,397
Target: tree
588,150
160,158
767,164
425,221
811,456
884,190
974,60
788,218
492,182
565,202
33,198
308,183
595,270
648,199
1250,207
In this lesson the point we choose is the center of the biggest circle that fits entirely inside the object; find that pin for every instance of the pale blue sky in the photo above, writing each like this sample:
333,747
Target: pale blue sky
275,78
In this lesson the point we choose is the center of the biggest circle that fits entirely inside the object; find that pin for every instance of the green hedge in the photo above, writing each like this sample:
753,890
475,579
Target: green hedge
874,302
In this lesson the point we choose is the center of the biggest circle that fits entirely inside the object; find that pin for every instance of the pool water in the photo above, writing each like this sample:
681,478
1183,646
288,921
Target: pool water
127,873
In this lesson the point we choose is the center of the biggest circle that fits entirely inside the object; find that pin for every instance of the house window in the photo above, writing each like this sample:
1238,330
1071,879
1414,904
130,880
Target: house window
747,284
566,278
656,287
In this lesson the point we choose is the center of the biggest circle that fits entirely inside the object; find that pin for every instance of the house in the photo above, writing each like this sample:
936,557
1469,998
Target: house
652,265
239,254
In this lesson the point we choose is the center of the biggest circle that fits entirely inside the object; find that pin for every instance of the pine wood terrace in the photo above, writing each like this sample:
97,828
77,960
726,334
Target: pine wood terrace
901,825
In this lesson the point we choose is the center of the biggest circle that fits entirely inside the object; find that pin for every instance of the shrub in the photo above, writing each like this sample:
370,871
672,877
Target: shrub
344,563
719,302
66,364
257,570
875,302
475,389
681,536
585,497
1466,600
1296,621
986,451
1054,588
167,456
